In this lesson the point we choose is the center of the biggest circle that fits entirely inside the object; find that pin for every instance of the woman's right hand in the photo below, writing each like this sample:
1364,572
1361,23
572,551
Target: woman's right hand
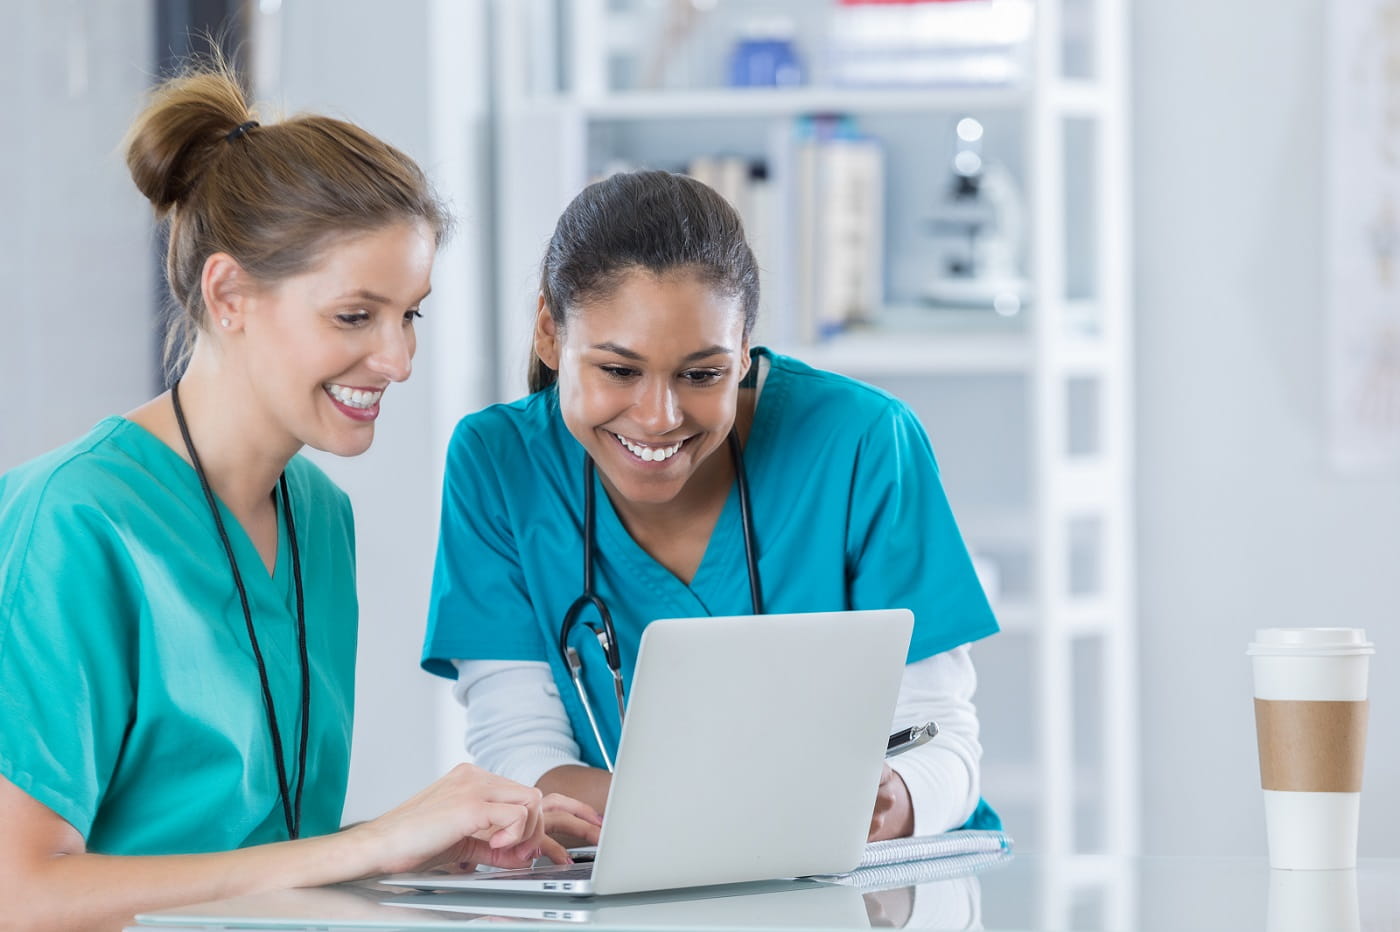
470,816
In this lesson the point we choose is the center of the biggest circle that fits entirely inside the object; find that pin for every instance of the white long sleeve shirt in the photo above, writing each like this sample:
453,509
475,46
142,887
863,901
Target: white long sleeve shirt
517,727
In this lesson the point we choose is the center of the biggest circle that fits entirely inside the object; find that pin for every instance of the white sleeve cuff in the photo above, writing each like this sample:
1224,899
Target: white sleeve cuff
943,776
516,723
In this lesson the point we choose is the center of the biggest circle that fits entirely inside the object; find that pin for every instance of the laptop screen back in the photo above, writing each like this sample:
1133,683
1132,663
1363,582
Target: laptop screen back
752,748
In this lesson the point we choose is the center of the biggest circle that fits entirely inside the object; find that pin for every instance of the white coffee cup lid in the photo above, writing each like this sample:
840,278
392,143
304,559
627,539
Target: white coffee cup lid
1331,642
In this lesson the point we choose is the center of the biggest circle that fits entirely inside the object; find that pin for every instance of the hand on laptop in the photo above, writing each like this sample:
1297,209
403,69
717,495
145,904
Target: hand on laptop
894,812
468,817
572,823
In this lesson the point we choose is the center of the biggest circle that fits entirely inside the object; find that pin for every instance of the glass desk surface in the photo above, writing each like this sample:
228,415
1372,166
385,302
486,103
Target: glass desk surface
1025,892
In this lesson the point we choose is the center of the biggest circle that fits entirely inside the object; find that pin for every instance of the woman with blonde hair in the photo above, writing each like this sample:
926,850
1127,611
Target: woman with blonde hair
177,587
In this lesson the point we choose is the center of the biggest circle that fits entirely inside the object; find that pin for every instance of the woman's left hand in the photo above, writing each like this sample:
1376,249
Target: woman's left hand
570,822
894,811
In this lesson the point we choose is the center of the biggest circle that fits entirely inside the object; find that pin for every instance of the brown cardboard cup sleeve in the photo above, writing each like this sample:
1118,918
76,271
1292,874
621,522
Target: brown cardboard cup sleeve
1311,746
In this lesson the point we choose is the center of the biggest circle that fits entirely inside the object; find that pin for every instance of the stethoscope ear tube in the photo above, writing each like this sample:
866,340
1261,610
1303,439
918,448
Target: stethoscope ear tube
575,663
746,523
602,630
576,674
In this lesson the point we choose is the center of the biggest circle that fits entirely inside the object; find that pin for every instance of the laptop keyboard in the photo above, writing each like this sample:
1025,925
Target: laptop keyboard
553,872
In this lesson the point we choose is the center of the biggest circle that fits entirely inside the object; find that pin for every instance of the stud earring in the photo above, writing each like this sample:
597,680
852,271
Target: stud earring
223,322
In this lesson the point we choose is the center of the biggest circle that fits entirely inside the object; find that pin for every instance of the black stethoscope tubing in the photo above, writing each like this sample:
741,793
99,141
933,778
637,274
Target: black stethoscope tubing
603,629
291,808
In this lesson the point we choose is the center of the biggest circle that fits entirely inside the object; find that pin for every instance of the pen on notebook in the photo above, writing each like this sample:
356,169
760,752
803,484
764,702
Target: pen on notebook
911,737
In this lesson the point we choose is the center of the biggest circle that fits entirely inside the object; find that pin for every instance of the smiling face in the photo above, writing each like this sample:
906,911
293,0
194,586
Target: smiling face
320,348
649,379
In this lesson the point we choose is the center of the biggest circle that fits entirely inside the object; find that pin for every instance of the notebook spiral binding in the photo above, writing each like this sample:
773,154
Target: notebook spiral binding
900,862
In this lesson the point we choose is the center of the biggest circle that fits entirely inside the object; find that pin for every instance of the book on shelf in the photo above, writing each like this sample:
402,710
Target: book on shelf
815,219
746,184
838,191
924,43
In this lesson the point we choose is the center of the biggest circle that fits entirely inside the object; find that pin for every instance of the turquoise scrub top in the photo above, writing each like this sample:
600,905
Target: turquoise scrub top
129,697
848,512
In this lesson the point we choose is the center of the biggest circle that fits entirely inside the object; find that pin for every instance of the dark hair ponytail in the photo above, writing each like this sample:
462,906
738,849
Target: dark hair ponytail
652,220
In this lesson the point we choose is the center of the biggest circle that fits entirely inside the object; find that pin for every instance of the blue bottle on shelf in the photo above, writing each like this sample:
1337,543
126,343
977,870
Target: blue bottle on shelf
765,56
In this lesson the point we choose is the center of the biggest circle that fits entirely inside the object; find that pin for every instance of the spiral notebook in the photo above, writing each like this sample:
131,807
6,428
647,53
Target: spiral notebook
900,862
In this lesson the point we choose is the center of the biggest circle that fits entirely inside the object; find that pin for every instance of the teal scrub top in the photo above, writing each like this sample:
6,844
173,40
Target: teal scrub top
130,703
848,513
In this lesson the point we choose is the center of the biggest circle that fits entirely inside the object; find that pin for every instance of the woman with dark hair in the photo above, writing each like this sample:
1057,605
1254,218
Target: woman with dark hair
177,587
642,366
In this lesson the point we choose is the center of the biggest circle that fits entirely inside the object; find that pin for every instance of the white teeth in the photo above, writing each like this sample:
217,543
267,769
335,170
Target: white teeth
353,397
649,454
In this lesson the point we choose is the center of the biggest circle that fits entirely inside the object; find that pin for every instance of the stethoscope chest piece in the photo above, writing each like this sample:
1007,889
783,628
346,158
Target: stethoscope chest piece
602,628
605,633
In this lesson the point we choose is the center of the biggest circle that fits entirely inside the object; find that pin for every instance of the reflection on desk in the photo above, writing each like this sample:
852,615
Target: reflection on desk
771,904
1089,893
786,904
946,904
1189,894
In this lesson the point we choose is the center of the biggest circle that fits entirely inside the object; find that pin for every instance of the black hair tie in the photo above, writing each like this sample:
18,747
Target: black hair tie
239,130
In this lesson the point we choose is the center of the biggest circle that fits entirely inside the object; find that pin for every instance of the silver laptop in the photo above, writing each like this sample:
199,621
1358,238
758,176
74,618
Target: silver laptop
751,750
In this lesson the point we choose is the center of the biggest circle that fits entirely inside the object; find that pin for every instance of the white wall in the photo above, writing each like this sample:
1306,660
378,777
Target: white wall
1241,524
77,322
367,65
378,65
77,319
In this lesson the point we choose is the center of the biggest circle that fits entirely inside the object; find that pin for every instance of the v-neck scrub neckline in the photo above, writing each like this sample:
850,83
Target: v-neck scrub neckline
136,439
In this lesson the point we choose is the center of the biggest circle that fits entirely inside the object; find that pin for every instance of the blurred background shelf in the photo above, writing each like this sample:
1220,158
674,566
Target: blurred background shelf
795,102
924,340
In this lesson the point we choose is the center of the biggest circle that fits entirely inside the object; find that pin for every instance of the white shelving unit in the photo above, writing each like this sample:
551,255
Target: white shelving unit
1062,537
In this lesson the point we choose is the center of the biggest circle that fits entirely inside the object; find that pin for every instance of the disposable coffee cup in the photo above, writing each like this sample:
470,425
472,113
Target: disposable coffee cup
1310,713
